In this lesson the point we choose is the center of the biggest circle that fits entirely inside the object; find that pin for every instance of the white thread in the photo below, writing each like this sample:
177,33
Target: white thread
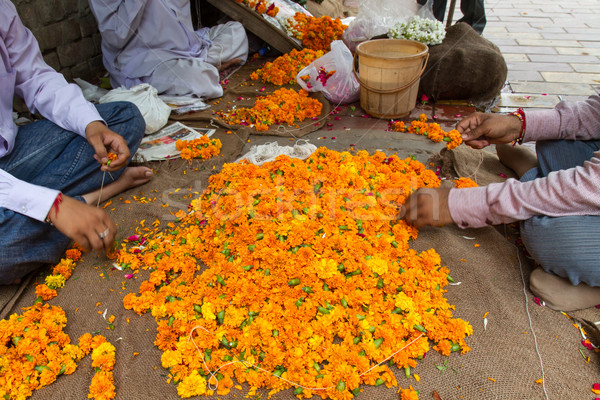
474,173
101,187
529,317
247,364
531,326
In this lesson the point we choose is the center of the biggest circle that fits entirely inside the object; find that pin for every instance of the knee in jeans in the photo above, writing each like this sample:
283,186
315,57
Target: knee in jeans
132,117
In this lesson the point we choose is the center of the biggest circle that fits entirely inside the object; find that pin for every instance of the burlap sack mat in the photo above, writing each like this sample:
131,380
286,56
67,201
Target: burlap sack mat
482,166
503,362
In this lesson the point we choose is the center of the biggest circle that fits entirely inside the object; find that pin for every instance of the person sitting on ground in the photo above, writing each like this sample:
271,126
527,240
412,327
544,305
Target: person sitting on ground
154,42
52,170
557,198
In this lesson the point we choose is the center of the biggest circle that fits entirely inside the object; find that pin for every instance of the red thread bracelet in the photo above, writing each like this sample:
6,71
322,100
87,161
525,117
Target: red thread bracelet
521,115
57,201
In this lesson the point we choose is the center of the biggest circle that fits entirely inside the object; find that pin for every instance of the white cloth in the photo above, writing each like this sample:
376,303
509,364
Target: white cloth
138,36
193,76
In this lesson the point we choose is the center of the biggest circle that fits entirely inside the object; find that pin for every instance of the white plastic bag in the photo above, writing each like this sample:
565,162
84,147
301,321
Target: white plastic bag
155,111
90,92
376,17
339,88
263,153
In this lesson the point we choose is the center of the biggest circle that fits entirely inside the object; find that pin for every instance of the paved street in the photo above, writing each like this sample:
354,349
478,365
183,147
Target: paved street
551,47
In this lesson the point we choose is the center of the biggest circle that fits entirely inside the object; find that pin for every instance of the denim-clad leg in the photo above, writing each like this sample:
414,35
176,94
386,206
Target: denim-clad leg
47,155
565,246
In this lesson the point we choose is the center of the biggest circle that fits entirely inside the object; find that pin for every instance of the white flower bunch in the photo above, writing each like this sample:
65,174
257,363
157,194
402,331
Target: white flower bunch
424,30
290,26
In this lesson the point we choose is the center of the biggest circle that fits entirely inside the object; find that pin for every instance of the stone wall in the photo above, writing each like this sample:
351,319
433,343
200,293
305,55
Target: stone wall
68,36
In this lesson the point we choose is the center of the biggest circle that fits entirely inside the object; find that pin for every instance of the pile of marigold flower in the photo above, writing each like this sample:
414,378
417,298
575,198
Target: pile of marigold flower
283,106
202,148
433,131
310,282
35,351
261,7
315,33
283,69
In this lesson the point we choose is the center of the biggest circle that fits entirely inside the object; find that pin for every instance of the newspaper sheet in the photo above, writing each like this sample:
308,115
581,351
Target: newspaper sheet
161,145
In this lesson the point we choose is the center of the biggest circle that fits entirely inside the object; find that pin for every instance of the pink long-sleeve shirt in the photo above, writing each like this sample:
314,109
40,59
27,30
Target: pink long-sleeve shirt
575,191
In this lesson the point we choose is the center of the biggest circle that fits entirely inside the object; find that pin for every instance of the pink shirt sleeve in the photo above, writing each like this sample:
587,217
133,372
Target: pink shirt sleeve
567,192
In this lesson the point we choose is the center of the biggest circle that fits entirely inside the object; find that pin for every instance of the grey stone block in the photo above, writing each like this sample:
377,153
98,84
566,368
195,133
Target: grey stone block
49,37
88,25
67,74
88,49
69,54
28,15
70,30
81,70
49,11
52,60
96,67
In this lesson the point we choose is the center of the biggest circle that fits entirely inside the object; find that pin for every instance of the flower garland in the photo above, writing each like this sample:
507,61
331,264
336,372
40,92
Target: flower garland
261,7
61,272
283,106
283,69
433,131
202,148
35,350
424,30
310,279
315,33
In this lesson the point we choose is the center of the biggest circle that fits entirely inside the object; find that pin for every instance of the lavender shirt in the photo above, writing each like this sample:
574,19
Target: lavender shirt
138,35
24,73
575,191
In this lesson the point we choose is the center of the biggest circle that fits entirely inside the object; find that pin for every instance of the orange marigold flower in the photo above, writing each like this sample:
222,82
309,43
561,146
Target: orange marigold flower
464,183
45,292
102,386
73,254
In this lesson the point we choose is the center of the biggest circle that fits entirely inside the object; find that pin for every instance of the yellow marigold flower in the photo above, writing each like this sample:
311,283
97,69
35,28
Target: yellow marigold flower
192,385
103,356
325,268
55,281
208,311
378,265
170,358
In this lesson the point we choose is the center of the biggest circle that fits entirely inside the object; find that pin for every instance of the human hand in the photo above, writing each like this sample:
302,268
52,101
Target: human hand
427,207
89,226
104,140
479,130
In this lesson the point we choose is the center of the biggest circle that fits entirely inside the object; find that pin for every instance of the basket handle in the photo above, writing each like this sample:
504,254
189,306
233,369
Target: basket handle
388,91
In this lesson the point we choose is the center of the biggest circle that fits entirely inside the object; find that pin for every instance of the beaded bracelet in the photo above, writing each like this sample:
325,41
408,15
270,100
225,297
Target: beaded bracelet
521,115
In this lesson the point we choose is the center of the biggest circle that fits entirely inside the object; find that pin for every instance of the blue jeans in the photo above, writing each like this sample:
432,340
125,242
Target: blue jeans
565,246
47,155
